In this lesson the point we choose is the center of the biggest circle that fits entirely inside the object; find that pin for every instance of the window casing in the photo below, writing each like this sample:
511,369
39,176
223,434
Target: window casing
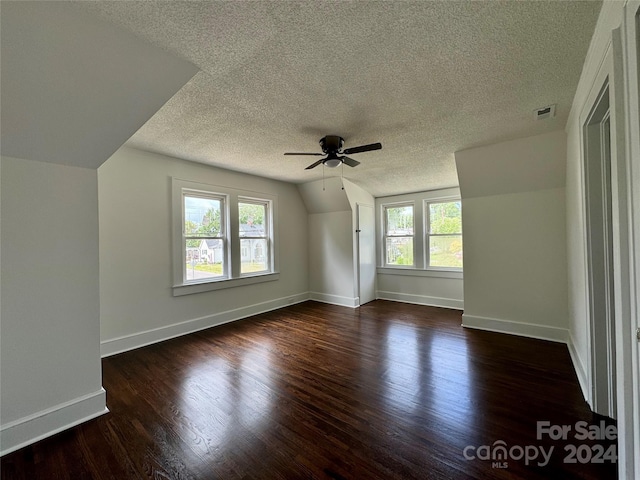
204,238
398,234
437,245
222,237
443,235
253,215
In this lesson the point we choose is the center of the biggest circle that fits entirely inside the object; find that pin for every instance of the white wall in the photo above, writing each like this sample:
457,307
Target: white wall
515,276
613,55
419,286
49,357
576,225
433,290
137,306
323,196
332,278
357,195
331,258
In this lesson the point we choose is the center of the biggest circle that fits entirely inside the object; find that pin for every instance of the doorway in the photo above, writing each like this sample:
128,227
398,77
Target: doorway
599,223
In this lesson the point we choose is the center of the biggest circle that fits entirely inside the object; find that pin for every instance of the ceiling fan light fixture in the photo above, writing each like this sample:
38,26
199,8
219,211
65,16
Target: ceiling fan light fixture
331,146
332,162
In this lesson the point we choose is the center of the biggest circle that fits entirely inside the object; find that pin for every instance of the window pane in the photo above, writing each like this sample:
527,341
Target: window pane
445,251
445,218
254,255
202,217
252,219
399,250
400,220
205,259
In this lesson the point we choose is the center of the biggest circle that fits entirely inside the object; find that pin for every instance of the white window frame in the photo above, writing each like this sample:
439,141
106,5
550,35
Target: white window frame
231,237
421,267
223,199
428,234
267,231
386,235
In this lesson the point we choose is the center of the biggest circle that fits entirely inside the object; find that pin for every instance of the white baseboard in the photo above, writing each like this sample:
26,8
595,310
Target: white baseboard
531,330
421,300
27,430
352,302
581,371
148,337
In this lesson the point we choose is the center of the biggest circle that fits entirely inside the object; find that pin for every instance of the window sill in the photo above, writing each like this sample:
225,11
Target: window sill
422,272
210,285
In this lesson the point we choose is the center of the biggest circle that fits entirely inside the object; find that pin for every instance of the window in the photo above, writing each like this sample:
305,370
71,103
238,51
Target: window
254,241
444,234
398,234
420,234
222,237
204,231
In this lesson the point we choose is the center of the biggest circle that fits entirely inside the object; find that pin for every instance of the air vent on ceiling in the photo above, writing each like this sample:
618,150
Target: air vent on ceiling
545,112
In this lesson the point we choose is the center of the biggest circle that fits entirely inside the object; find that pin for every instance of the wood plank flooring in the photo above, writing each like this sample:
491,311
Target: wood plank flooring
315,391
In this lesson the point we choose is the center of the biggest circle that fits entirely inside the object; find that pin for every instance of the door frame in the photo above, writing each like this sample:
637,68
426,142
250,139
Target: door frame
620,67
598,186
358,251
626,43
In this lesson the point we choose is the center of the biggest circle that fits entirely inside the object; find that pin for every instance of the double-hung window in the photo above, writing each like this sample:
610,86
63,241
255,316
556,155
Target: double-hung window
443,234
222,237
398,234
420,234
254,235
203,236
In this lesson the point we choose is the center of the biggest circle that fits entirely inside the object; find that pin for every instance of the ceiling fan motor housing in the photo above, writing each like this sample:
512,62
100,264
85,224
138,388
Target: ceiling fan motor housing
331,143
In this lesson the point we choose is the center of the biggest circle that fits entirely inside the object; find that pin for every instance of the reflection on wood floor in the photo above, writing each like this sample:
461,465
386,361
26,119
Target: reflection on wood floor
315,391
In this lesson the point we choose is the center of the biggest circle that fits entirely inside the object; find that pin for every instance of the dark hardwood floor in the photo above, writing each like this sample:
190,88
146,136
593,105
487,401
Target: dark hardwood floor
315,391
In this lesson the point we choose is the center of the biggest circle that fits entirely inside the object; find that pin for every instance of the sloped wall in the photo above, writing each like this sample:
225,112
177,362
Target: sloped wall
331,252
513,219
74,89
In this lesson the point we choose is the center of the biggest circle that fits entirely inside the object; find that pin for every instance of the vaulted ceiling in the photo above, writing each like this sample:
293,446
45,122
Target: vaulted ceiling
424,78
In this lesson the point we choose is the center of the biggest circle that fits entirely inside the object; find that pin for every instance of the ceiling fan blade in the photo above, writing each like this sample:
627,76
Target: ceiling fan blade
314,165
350,161
362,148
294,153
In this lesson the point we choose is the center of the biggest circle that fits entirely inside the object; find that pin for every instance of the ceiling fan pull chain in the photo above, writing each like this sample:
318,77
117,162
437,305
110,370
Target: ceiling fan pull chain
323,177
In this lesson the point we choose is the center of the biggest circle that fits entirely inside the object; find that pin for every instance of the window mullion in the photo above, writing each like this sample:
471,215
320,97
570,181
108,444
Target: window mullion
233,236
206,240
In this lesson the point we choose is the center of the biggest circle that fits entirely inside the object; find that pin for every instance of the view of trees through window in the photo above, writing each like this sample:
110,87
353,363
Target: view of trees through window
254,246
445,234
399,235
203,234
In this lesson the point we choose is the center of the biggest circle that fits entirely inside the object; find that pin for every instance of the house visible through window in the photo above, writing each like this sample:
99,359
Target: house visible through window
398,234
210,255
254,239
444,234
204,236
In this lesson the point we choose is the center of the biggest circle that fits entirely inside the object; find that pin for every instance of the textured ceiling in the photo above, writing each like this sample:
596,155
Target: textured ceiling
423,78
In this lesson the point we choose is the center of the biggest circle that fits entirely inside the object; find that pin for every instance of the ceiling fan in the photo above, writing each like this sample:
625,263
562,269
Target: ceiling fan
331,146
